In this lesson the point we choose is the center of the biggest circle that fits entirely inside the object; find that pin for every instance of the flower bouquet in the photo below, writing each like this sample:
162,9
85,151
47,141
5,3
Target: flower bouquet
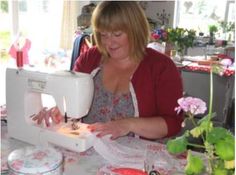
181,38
159,41
218,143
159,35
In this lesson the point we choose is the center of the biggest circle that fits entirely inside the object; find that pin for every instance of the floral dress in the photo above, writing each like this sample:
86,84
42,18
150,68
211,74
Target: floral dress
107,106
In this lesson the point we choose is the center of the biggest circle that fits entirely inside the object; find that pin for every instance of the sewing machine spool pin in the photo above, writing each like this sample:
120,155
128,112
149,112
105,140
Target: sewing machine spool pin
66,118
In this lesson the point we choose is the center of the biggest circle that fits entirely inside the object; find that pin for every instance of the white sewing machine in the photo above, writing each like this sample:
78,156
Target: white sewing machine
73,94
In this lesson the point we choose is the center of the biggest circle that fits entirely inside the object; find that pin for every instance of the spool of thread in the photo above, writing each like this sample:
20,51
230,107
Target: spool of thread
19,59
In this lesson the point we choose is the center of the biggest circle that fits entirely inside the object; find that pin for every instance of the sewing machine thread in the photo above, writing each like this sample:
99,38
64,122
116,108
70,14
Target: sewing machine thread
19,59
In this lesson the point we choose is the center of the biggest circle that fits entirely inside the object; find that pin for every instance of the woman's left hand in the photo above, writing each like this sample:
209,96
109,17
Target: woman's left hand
115,128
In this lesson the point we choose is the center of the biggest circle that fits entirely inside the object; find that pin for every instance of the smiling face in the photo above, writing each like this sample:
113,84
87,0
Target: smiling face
116,44
120,29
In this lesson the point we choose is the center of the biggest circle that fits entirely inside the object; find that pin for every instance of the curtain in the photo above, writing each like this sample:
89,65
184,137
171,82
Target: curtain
69,23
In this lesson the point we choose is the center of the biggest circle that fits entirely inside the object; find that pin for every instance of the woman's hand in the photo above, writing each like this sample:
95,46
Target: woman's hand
47,114
115,128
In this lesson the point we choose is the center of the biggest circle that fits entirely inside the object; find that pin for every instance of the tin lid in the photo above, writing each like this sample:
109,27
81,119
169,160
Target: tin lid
33,159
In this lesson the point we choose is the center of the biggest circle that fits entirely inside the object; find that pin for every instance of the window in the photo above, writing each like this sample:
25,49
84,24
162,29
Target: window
230,16
4,29
200,14
40,21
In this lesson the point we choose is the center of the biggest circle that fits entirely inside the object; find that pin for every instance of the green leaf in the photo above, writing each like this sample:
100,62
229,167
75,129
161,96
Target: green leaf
177,145
196,132
225,149
204,126
206,117
195,164
216,134
220,171
230,137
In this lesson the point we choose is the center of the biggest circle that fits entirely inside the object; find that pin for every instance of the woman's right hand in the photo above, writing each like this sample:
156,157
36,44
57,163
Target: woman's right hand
47,115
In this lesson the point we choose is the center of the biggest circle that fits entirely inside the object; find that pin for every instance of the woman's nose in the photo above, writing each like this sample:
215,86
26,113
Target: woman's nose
109,38
109,41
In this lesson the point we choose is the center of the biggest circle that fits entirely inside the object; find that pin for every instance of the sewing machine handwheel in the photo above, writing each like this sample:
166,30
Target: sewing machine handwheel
154,172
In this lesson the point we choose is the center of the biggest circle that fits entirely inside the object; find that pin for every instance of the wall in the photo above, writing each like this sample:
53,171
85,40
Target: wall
154,7
81,4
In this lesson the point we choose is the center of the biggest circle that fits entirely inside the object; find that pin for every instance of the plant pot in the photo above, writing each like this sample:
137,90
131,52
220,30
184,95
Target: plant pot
211,39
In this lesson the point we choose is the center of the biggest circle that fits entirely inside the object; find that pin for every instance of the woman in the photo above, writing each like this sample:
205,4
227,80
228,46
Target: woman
136,88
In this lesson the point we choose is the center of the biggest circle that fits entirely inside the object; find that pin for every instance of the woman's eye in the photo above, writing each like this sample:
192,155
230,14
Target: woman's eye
103,34
117,34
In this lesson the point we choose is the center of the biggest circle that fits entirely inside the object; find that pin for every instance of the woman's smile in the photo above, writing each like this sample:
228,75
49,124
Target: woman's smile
116,43
113,49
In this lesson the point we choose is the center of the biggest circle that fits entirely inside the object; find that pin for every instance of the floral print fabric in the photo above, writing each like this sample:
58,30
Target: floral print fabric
107,106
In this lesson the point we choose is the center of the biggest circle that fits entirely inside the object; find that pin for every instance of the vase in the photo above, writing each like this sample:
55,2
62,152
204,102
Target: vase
211,39
181,50
168,48
175,56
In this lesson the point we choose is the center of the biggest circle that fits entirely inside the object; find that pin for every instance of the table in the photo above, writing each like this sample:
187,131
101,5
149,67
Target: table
88,162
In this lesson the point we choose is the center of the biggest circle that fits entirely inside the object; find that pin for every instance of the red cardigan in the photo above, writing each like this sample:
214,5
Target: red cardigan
157,84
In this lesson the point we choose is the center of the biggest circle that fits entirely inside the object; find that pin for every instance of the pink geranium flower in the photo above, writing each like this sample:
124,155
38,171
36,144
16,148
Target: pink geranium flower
191,105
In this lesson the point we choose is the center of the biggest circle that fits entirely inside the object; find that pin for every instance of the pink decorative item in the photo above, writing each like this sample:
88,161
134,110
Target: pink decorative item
19,51
226,62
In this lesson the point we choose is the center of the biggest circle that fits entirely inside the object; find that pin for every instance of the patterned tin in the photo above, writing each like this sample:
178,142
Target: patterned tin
33,160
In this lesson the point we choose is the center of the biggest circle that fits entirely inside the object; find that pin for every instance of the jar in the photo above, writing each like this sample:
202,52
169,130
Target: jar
34,160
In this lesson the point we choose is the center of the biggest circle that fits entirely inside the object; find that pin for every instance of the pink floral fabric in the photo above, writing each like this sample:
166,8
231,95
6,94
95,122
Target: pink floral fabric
107,106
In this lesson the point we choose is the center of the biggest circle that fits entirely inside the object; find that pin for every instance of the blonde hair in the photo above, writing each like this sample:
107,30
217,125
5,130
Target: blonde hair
126,16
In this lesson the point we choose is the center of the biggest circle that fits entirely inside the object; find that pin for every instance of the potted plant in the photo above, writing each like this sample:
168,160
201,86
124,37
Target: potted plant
218,143
227,28
212,29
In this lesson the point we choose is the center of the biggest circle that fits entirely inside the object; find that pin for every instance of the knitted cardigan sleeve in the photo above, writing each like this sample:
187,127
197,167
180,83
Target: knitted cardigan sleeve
158,85
88,61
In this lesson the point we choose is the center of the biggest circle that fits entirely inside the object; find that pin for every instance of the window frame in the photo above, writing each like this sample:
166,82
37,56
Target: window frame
177,12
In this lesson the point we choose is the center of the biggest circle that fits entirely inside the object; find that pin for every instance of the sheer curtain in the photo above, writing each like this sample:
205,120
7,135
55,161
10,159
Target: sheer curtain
69,23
